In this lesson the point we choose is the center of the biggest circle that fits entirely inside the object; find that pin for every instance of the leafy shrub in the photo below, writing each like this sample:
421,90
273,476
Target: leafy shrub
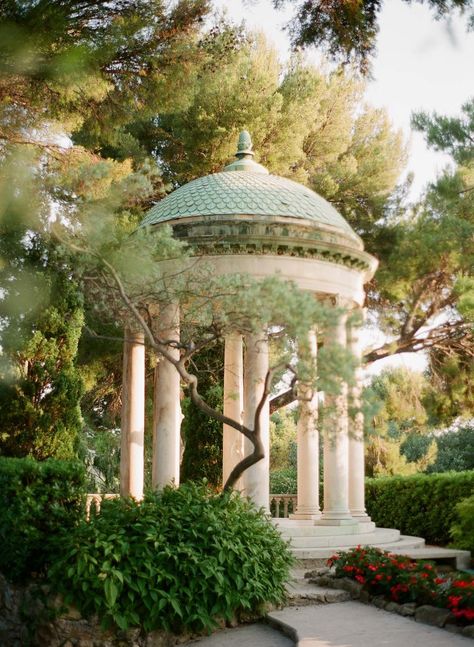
36,499
401,580
178,560
283,481
462,531
421,505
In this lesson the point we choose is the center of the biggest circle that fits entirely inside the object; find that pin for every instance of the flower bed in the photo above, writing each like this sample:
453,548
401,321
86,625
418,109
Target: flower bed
402,580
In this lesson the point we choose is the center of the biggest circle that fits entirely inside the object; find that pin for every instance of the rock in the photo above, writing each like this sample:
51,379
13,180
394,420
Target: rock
393,607
354,588
85,642
408,609
379,602
468,631
72,613
365,597
454,629
432,615
323,580
157,639
323,570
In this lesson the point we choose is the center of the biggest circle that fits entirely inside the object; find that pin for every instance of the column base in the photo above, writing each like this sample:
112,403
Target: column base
336,519
361,517
311,516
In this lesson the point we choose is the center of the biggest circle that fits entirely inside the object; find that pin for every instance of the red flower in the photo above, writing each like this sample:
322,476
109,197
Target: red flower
360,579
372,567
454,600
439,580
348,569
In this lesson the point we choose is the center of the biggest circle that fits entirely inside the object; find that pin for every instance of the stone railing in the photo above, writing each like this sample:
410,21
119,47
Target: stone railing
281,505
94,501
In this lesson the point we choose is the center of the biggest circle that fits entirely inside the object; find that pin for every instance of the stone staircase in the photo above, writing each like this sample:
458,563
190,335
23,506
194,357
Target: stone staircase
310,542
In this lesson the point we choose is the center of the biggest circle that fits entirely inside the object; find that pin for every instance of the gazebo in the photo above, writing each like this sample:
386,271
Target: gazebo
245,220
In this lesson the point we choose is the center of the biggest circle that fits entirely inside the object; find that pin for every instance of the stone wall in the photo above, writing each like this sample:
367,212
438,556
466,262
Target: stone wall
28,621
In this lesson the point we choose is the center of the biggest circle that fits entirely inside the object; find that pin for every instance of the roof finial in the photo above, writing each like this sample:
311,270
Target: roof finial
244,146
244,154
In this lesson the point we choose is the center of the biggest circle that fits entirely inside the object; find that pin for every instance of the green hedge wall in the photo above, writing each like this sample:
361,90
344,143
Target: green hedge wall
423,505
36,500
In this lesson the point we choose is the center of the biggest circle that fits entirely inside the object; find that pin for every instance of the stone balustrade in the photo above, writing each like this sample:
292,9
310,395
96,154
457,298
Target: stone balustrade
282,505
94,501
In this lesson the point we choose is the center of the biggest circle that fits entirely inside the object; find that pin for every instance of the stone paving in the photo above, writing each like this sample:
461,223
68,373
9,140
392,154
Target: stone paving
353,624
255,635
343,624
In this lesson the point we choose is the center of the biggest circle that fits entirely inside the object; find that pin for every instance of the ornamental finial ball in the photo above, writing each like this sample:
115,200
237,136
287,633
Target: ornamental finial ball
244,146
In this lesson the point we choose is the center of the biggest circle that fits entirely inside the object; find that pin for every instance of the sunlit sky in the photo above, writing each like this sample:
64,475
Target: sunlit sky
420,64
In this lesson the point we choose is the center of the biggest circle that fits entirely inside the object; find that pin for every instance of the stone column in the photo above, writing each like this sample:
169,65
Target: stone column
133,415
308,447
356,434
256,479
166,406
233,440
336,447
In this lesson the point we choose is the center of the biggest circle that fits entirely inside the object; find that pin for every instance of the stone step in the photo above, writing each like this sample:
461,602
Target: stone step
403,546
303,593
290,529
381,536
460,559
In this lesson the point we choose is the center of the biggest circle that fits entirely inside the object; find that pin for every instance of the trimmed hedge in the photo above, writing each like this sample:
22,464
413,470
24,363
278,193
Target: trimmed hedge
37,499
423,505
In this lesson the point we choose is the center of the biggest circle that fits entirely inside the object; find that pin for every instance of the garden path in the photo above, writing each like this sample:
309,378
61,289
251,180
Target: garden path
342,624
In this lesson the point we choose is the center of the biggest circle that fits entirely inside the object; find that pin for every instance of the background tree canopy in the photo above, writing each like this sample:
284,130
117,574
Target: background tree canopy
104,108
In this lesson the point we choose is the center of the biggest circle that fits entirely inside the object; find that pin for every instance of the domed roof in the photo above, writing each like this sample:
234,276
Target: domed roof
246,188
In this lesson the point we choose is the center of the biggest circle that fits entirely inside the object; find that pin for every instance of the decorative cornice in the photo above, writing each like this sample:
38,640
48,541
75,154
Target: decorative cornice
260,237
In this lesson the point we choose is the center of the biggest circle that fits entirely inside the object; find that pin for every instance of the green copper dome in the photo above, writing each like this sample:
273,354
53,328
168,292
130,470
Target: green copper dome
245,193
245,188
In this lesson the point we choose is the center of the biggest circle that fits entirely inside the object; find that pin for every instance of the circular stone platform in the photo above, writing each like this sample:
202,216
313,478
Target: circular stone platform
314,542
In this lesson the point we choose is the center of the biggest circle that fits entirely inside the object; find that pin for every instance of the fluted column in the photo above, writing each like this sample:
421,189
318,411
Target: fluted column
233,440
308,447
356,435
336,446
166,406
133,415
256,479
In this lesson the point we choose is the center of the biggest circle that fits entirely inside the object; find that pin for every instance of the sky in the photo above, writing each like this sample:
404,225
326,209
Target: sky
420,64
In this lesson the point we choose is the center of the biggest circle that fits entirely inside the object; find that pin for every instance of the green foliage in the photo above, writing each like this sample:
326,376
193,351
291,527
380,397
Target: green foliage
100,452
38,501
41,387
283,481
397,423
462,530
202,436
182,559
455,449
420,505
283,440
449,134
